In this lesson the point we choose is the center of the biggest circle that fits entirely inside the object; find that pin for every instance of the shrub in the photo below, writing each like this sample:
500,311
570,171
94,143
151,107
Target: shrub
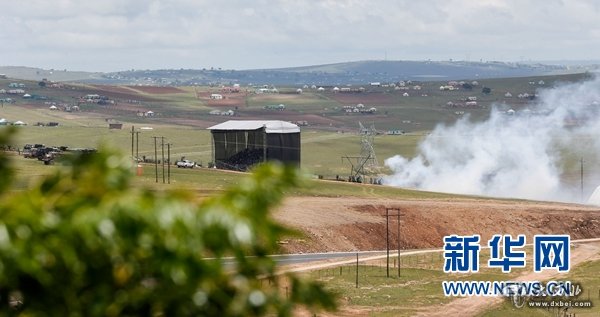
84,242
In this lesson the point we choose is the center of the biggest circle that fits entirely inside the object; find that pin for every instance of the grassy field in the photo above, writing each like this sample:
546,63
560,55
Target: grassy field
418,287
206,181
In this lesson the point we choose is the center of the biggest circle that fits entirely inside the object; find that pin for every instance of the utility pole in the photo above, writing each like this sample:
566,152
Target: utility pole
387,237
398,237
356,269
137,145
155,159
163,157
387,242
169,162
132,134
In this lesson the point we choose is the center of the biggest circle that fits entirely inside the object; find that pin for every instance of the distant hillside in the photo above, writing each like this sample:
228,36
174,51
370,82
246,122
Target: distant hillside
360,72
31,73
345,73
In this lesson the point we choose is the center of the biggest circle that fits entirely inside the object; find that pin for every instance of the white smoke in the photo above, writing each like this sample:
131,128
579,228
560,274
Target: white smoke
521,155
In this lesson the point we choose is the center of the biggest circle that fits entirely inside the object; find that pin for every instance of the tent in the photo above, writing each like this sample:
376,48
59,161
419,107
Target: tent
595,197
238,144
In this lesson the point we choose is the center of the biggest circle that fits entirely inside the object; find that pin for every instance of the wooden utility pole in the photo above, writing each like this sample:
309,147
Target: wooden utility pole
132,134
357,270
387,237
137,145
155,159
162,138
387,241
398,238
169,162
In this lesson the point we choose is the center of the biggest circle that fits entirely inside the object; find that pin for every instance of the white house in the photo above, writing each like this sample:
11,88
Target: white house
320,89
216,96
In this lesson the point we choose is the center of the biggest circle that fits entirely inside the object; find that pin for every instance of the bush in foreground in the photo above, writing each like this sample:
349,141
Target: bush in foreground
83,242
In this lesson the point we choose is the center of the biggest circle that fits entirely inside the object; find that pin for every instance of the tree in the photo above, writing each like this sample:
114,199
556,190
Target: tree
83,242
486,90
42,84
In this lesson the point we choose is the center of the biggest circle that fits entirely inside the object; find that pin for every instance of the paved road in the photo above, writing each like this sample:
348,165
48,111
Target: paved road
286,259
312,257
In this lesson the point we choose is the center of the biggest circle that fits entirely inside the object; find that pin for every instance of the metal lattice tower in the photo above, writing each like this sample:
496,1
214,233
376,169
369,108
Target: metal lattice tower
368,159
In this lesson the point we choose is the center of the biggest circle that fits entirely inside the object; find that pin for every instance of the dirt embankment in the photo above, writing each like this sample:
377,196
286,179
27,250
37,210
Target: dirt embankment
348,224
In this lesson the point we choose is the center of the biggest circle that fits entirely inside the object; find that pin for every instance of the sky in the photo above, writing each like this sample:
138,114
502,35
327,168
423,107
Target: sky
113,35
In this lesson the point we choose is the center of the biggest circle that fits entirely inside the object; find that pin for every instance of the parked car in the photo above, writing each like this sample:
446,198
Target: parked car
186,164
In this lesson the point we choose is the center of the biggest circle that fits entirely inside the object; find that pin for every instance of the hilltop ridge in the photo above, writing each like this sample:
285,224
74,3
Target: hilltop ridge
327,74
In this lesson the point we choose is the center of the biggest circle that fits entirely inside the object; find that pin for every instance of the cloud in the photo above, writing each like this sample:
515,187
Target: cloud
244,34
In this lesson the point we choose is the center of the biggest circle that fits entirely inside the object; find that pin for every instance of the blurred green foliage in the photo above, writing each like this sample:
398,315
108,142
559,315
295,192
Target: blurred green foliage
83,242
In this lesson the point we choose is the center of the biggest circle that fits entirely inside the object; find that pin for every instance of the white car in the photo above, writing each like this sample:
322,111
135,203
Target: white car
186,164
